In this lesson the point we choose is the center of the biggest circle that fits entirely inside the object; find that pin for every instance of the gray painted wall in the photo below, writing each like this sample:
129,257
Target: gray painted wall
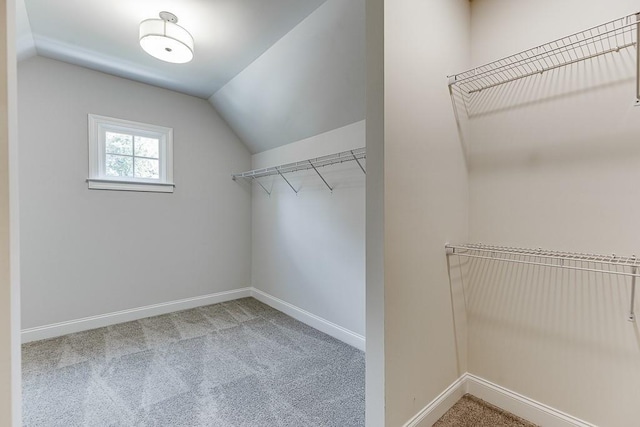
88,252
309,82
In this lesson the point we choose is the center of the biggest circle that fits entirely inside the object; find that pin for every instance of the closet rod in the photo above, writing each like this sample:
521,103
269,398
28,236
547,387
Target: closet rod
356,155
331,159
553,259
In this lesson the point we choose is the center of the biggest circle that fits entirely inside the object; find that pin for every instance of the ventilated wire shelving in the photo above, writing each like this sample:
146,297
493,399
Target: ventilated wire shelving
607,264
608,38
356,155
613,36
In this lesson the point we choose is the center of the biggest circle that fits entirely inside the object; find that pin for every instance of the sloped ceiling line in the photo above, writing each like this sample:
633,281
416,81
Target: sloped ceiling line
309,82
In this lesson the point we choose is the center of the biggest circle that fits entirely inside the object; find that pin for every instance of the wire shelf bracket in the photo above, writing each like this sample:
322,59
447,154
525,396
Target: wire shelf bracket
608,264
610,37
356,155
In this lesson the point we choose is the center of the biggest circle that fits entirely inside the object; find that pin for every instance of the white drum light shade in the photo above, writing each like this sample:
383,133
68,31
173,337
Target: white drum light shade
166,41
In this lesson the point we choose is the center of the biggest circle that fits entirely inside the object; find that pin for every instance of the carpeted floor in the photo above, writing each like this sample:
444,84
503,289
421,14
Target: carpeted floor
234,364
473,412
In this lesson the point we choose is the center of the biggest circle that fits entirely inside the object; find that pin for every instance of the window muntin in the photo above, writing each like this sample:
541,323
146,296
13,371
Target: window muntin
128,155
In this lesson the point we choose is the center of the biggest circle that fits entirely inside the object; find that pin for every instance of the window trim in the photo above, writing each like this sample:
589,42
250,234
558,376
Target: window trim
98,180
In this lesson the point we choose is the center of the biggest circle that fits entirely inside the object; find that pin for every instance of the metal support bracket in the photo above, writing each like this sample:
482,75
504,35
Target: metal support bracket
263,187
358,162
321,177
632,313
251,179
637,60
287,181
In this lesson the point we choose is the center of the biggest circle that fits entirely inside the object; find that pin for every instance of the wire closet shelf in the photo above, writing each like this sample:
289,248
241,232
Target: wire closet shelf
613,36
606,264
356,155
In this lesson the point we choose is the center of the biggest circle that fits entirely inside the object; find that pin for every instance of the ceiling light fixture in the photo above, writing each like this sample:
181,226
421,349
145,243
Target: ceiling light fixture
164,39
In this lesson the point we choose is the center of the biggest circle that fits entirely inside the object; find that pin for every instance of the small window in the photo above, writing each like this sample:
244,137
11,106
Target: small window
126,155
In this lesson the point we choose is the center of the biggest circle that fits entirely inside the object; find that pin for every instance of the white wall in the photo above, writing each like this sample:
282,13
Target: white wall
10,376
310,81
89,252
308,249
375,386
554,163
425,198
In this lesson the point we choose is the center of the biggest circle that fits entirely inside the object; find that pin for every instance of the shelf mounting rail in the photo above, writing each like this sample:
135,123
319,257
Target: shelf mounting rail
356,155
607,264
613,36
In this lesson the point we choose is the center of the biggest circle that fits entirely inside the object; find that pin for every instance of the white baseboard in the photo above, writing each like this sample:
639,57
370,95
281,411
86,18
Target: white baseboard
317,322
438,406
529,409
92,322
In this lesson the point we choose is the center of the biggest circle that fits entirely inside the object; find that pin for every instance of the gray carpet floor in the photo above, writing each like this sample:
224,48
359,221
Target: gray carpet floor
234,364
473,412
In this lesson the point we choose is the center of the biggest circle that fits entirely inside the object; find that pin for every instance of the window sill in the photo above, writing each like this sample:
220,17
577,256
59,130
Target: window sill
106,184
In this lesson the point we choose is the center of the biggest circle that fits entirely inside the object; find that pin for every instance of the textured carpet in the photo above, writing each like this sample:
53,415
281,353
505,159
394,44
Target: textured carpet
473,412
234,364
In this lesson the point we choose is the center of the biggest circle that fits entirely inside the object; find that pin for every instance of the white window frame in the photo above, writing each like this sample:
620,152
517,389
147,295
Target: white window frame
99,180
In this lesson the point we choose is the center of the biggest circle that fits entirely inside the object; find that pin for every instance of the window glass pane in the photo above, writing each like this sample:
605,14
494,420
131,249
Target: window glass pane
147,147
118,143
147,168
118,165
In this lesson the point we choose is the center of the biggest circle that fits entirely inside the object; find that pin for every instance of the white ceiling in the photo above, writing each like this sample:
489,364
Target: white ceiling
103,35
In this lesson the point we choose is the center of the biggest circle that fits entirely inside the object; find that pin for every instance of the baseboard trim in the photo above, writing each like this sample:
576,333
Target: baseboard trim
522,406
438,406
317,322
92,322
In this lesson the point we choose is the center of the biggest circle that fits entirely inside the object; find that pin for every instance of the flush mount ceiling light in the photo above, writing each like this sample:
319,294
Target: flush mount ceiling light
164,39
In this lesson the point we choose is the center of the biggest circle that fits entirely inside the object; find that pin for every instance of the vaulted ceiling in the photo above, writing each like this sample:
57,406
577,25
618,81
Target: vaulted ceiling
276,70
